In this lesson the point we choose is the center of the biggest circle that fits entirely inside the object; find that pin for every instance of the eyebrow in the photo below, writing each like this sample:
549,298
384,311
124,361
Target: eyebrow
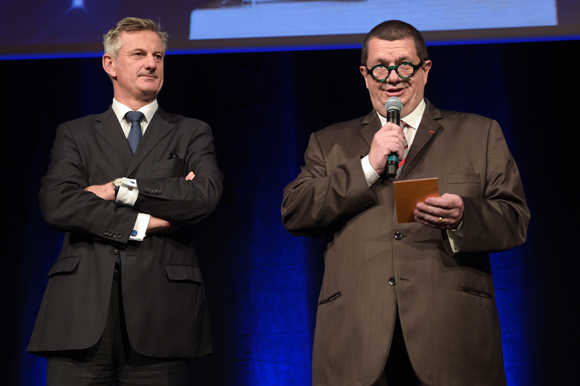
136,50
399,59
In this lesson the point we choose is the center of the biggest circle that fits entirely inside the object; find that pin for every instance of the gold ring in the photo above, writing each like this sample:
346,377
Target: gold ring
440,220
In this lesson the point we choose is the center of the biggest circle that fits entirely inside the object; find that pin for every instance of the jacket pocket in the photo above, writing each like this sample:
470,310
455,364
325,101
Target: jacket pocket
465,185
169,168
330,298
476,292
64,265
183,273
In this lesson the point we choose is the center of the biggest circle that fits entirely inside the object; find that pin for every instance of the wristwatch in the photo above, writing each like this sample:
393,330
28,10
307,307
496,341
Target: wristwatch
117,184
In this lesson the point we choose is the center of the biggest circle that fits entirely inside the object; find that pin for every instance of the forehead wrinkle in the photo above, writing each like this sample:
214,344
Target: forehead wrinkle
140,44
391,52
398,58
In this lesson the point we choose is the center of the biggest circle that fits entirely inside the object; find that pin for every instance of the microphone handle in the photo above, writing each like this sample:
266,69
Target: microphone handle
393,116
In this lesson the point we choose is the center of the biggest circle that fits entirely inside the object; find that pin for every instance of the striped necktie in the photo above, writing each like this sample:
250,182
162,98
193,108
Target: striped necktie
406,151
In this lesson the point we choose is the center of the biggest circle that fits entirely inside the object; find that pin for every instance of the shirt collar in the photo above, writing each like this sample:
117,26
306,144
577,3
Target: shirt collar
147,110
413,119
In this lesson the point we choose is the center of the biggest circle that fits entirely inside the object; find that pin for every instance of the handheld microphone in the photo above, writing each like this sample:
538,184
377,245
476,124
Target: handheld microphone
393,106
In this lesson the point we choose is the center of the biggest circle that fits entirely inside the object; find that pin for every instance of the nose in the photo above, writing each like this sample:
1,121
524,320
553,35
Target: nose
150,62
393,77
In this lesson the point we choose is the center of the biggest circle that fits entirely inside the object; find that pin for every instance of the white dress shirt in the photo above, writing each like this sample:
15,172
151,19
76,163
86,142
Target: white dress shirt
129,191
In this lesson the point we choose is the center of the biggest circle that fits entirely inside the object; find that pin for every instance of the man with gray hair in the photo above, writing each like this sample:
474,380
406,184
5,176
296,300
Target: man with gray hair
125,301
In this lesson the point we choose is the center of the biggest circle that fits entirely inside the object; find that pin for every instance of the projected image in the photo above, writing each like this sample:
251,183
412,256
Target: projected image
222,19
40,28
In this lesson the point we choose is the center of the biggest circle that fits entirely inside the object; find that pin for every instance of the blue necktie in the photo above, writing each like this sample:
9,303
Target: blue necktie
134,117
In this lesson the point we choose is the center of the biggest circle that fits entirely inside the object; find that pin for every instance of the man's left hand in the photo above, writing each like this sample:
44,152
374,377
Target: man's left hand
105,191
445,212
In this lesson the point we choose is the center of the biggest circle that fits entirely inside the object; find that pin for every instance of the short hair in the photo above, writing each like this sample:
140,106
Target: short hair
112,40
395,30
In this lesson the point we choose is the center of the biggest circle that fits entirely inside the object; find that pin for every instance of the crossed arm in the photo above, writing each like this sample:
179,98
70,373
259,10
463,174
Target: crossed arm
156,225
77,170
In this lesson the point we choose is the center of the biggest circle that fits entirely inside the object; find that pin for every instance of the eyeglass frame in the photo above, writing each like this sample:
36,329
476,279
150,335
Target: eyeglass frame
396,68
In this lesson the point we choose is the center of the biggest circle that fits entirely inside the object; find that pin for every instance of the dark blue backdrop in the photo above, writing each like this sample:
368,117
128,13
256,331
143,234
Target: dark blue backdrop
262,283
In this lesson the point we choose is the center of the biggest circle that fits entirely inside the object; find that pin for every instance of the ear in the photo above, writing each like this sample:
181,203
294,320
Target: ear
426,68
110,65
363,71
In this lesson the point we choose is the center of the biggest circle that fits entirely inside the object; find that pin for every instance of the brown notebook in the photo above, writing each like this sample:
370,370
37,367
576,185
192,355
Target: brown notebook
409,193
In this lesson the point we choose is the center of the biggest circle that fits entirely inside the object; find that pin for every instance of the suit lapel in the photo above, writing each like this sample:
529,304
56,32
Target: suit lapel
107,125
425,134
370,125
160,126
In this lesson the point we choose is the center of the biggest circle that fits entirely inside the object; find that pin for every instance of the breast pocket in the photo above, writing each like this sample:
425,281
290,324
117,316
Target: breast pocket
168,168
465,185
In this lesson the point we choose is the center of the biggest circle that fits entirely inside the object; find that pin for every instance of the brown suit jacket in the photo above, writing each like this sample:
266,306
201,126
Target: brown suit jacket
163,295
446,301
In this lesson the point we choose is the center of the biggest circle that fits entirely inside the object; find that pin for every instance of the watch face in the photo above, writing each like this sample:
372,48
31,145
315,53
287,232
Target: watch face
117,183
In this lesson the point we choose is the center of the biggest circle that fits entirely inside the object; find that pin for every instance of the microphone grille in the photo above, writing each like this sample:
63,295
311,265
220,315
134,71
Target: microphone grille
394,103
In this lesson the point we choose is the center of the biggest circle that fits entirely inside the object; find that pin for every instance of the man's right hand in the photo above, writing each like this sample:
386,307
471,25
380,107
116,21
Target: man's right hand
389,139
158,225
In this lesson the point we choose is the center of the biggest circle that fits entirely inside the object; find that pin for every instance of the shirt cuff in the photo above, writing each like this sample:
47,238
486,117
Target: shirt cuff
140,228
371,174
128,192
456,237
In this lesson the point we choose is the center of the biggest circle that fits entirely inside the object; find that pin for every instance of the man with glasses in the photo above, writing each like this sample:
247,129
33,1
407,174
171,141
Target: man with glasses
411,303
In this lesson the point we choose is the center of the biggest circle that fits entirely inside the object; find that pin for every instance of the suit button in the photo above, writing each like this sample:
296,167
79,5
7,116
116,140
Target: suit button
398,236
392,281
114,251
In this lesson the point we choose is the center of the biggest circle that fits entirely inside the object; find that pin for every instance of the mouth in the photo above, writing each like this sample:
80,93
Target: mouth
394,91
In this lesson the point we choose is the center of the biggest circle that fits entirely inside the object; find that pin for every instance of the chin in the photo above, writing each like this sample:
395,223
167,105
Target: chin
150,90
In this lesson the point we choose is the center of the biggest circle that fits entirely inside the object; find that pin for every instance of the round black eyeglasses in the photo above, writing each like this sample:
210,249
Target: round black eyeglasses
405,70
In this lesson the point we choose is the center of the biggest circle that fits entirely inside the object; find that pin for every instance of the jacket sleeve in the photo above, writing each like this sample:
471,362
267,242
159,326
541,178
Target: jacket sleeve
498,220
175,199
324,195
65,204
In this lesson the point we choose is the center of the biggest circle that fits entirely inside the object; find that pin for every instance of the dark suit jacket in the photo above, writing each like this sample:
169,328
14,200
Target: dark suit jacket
163,295
446,301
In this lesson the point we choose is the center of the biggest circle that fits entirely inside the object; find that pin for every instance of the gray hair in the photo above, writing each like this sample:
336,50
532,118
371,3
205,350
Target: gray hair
112,40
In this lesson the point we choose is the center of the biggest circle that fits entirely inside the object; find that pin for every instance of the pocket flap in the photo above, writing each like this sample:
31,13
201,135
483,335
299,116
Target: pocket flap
183,272
64,265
